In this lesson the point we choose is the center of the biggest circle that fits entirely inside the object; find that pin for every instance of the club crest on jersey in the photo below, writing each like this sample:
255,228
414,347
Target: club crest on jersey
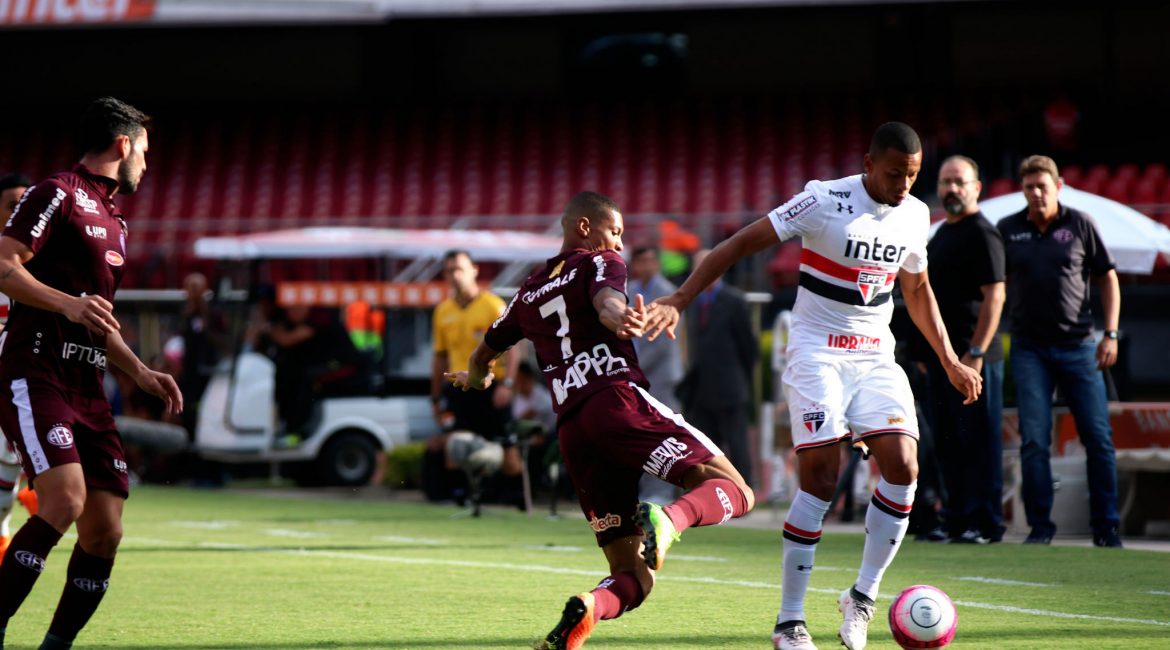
869,282
814,421
1063,235
114,258
60,436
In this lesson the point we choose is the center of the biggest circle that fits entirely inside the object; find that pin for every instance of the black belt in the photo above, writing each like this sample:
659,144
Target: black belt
840,294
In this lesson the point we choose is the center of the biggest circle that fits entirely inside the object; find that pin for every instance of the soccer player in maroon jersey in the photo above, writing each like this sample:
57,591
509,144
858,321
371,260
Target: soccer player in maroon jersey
62,256
575,312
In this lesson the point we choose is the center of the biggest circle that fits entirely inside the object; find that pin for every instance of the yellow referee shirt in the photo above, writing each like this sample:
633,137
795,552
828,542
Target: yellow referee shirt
458,330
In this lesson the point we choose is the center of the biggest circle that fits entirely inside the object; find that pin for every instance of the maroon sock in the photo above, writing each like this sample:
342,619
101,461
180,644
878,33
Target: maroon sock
23,563
616,595
85,585
713,501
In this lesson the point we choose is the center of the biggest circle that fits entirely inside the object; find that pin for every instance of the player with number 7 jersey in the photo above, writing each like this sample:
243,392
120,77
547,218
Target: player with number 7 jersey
610,430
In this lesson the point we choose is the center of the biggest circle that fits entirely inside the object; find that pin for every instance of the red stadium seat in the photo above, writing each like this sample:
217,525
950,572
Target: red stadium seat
1145,192
1072,175
1118,189
1155,172
1127,171
1001,186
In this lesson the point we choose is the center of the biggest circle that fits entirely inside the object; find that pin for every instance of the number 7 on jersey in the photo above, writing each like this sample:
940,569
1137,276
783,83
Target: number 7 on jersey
557,306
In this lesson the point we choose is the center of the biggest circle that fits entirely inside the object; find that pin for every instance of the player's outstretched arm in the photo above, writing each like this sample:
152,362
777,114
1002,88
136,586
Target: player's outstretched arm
923,309
17,283
663,314
159,384
479,369
617,315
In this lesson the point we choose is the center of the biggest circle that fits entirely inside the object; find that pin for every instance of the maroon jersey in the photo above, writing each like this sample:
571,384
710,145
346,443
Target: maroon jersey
78,240
554,310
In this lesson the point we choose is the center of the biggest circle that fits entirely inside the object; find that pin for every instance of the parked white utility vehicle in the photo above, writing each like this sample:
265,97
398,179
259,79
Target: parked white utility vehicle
237,424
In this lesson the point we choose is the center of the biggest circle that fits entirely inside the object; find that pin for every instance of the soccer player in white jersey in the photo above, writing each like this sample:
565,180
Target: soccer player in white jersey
859,234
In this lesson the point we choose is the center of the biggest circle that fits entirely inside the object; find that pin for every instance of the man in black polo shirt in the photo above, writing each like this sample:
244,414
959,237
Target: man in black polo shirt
1052,250
967,271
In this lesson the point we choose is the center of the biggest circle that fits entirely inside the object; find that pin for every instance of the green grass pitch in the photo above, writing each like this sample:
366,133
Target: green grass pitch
204,570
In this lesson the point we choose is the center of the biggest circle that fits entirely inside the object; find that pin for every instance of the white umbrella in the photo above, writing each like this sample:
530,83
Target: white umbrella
1134,239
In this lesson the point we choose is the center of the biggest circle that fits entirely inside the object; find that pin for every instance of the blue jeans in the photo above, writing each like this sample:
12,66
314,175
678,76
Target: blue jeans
969,448
1037,369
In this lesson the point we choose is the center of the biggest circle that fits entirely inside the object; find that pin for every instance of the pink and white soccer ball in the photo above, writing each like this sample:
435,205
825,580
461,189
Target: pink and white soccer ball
923,617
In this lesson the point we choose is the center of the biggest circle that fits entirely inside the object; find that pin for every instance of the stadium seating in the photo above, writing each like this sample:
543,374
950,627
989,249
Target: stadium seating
422,166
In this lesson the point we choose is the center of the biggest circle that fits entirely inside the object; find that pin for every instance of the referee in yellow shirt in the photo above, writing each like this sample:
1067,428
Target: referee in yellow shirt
458,325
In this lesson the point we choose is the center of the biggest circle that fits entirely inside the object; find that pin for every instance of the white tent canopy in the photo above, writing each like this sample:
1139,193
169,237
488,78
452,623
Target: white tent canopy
1134,239
325,243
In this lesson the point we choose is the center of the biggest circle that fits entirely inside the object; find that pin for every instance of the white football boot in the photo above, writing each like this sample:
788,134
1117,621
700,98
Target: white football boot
792,638
855,630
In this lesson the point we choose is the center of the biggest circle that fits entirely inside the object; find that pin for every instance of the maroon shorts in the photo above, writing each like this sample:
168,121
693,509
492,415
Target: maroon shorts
49,427
611,439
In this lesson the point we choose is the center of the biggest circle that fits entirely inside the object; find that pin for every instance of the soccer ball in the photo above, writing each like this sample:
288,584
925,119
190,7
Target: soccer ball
923,617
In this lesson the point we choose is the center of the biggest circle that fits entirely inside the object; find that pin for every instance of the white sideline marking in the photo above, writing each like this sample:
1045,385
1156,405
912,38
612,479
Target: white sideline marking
285,532
549,547
425,541
1003,581
700,580
713,581
1044,612
129,542
1158,593
205,525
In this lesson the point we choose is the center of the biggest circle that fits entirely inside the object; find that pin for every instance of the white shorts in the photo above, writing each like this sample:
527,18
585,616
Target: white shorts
831,398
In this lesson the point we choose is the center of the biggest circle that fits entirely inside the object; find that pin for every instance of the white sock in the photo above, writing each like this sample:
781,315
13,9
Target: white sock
802,531
886,521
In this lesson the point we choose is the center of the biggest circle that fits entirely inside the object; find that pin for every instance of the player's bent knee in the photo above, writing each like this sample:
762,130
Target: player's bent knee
749,496
103,542
62,509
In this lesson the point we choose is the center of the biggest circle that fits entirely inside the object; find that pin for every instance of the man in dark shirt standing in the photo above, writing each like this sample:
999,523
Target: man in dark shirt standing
967,271
1052,250
611,430
61,260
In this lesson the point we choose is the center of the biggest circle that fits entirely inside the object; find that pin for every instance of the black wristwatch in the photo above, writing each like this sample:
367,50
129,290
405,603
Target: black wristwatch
1111,334
975,351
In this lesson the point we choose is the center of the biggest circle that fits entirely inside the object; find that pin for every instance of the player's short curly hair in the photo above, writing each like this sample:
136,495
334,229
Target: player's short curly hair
107,118
590,205
897,136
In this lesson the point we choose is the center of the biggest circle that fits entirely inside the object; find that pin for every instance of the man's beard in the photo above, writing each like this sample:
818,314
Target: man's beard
126,183
953,204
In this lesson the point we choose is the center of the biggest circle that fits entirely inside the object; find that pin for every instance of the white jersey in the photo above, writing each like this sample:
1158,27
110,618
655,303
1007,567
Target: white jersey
852,250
